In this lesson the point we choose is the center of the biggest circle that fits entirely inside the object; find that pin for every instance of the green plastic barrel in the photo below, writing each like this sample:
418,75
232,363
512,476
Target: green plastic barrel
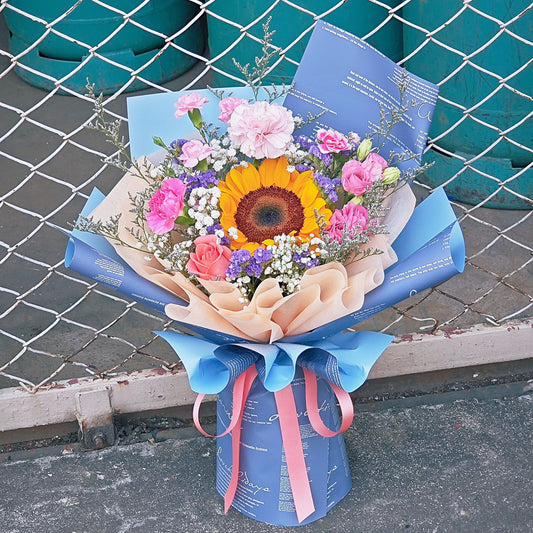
359,17
90,23
484,113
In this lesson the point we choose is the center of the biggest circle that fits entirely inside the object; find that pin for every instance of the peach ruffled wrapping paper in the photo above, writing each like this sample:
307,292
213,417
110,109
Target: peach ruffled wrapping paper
327,292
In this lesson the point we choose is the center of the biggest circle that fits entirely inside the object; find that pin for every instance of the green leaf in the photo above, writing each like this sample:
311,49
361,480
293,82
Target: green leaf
184,220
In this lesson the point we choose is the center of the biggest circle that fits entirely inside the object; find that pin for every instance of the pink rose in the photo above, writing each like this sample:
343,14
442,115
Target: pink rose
210,259
192,152
187,102
166,205
331,141
261,130
227,106
351,219
358,177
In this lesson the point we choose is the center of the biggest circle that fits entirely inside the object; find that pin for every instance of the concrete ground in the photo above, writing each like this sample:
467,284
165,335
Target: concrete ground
449,462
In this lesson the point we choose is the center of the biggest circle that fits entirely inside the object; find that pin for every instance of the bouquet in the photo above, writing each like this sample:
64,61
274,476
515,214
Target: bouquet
265,228
267,242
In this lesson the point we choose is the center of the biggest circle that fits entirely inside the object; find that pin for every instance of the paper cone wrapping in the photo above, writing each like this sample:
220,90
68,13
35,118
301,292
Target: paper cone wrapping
264,492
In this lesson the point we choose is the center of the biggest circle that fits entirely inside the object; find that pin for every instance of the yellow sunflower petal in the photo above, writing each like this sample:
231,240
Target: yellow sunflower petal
225,189
282,177
241,237
227,220
301,181
250,179
235,182
310,226
267,171
308,194
250,246
317,205
228,204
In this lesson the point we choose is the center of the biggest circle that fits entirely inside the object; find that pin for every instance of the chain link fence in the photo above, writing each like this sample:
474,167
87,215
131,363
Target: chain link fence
56,325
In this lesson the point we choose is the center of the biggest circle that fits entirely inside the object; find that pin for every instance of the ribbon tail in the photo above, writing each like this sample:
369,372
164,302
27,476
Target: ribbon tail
239,399
292,445
311,400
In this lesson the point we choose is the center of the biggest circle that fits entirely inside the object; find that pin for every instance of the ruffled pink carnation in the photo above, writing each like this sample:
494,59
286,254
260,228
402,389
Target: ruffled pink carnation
165,206
192,152
358,177
261,130
351,218
227,106
210,259
187,102
332,141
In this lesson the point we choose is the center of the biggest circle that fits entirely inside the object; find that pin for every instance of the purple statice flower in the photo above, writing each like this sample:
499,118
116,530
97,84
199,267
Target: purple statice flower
303,168
253,268
303,141
315,150
262,255
328,185
178,142
211,230
255,265
174,145
238,259
201,179
304,259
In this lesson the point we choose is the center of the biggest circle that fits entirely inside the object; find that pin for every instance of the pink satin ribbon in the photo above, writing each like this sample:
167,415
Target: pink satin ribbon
290,433
311,401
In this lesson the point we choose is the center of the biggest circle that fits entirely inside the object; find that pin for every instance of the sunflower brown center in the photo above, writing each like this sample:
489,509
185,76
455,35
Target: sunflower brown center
269,211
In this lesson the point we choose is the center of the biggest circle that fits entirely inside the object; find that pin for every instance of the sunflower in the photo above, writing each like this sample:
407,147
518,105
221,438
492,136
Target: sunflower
268,201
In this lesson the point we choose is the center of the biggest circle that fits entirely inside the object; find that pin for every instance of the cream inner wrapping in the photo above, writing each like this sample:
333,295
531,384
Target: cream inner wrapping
327,292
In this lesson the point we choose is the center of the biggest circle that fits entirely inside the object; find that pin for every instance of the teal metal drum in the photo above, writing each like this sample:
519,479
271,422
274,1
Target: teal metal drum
359,17
485,113
57,53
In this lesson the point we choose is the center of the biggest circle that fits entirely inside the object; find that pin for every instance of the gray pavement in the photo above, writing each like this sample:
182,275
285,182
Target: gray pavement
448,462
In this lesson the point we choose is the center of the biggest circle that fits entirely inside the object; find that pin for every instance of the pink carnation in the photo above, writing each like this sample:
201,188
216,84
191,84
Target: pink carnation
351,218
227,106
374,164
261,130
210,259
358,177
332,141
192,152
165,206
187,102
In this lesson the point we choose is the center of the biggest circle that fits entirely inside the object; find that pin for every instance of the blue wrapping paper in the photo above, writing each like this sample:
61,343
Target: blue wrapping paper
264,491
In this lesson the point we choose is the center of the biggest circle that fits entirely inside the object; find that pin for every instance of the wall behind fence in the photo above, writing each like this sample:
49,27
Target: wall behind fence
56,325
